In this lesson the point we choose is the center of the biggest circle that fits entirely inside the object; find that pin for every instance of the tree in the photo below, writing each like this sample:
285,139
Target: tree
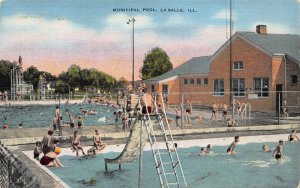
156,62
5,67
74,75
31,75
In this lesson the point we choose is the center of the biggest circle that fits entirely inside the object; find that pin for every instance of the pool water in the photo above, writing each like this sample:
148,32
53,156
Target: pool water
42,115
249,168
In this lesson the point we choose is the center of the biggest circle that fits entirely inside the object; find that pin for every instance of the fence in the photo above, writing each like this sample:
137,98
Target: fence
13,173
207,111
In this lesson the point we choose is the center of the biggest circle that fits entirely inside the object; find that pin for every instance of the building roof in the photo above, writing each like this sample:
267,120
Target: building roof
196,65
276,43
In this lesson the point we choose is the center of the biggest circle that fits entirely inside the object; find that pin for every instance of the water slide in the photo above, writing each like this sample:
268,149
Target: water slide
131,150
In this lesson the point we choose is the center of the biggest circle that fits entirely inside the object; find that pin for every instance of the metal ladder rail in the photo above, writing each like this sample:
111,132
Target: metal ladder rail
160,119
172,140
153,152
155,143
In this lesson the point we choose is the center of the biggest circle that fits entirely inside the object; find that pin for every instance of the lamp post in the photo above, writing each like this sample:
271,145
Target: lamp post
129,21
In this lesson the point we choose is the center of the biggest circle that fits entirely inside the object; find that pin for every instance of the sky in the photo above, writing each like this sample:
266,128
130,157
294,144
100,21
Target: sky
53,34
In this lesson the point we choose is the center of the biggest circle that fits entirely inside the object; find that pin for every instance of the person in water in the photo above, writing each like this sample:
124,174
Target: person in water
76,143
230,149
278,152
266,148
293,136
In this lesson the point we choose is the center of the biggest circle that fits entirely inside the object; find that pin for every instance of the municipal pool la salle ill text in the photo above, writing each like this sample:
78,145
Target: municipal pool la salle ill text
153,10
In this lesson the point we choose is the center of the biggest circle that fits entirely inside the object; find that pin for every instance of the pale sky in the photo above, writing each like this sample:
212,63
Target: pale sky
53,34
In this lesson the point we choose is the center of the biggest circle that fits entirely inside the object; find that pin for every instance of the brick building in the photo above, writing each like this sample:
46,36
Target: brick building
264,66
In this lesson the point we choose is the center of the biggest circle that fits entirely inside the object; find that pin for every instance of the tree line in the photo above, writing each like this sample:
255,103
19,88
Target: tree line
155,63
74,77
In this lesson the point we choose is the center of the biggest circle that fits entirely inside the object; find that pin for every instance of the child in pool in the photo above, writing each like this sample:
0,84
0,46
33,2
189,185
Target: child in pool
279,150
230,149
293,136
203,151
266,148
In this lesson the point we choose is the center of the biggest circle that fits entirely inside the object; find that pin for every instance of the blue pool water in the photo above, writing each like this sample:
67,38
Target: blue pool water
42,115
249,168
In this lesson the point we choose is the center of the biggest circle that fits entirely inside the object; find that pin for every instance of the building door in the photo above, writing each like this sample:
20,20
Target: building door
278,93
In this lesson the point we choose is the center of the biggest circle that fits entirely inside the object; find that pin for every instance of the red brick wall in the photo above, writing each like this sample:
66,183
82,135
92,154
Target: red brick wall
256,64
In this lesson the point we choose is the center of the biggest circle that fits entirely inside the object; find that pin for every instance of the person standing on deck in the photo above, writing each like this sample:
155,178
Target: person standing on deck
46,142
188,111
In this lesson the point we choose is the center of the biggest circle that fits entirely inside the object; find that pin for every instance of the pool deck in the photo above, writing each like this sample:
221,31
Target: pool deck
23,136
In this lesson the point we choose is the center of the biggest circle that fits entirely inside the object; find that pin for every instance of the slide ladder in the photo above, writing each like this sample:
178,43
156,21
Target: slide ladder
167,162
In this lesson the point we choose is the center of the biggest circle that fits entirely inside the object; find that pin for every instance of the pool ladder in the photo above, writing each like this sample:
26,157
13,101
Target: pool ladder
173,161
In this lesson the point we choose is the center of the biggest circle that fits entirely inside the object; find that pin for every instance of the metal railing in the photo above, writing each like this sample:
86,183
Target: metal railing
13,173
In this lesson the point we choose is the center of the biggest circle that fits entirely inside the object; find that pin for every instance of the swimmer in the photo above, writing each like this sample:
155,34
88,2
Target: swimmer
177,116
230,149
208,148
46,142
278,152
79,122
203,151
266,148
91,151
72,124
20,125
188,111
76,143
5,127
225,108
146,101
214,109
293,136
37,150
175,147
231,122
51,160
98,144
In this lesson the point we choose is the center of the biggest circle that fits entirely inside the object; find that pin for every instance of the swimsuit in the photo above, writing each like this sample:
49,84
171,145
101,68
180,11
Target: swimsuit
72,125
278,156
45,160
188,110
36,155
225,112
177,117
144,110
76,144
291,139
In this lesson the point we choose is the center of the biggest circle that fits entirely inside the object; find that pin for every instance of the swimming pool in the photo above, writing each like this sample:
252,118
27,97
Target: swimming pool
249,168
42,115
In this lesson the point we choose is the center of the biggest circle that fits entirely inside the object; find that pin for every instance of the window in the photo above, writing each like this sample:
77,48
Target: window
261,87
198,81
238,65
238,86
165,89
185,81
219,87
152,88
205,82
294,79
192,81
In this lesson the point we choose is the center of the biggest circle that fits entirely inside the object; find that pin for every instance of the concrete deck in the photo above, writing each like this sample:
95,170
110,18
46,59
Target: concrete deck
31,135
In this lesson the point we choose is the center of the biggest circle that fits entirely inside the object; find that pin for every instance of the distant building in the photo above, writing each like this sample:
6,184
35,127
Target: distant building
262,64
